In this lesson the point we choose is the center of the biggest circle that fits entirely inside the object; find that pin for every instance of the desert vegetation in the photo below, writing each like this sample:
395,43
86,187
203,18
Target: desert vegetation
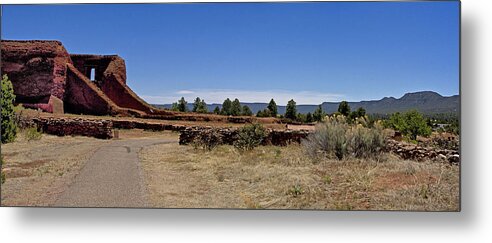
267,177
336,138
342,165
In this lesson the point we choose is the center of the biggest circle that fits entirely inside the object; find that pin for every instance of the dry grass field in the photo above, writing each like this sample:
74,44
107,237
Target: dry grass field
267,177
283,178
38,170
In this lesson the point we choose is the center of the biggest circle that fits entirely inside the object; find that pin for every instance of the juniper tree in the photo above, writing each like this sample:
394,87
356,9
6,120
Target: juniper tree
9,128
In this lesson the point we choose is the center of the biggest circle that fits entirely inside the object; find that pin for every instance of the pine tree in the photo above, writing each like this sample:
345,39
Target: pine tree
200,106
291,110
309,117
203,107
319,114
182,105
9,128
217,110
344,108
226,107
174,106
196,104
246,111
361,112
272,106
236,108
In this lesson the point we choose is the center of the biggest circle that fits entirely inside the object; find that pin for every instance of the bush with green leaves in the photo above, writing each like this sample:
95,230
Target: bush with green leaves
33,133
250,136
9,127
410,124
207,139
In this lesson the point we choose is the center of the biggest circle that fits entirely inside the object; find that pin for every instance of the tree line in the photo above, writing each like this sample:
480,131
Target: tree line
234,108
410,123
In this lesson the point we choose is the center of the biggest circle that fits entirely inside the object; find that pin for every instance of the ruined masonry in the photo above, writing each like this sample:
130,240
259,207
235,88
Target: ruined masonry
46,76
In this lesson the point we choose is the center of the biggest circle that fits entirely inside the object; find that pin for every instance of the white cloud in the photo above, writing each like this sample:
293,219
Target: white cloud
219,95
184,92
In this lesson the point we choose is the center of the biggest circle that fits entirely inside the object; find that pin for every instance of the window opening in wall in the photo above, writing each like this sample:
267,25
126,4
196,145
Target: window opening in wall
93,74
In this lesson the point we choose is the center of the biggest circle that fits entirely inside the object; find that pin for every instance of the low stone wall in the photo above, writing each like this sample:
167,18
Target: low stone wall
128,124
419,153
71,126
229,135
285,137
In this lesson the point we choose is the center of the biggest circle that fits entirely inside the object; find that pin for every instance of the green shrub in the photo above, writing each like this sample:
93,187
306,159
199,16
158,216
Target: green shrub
207,139
410,124
33,133
250,136
9,127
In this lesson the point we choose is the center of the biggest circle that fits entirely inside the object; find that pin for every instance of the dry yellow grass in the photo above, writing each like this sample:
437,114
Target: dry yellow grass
283,178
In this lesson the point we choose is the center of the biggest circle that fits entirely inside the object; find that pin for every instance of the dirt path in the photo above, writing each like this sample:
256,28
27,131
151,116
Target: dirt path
112,177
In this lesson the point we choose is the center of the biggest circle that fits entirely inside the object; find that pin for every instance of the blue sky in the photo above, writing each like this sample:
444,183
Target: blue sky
312,52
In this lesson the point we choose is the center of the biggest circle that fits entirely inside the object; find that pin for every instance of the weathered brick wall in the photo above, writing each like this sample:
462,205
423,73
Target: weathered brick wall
71,126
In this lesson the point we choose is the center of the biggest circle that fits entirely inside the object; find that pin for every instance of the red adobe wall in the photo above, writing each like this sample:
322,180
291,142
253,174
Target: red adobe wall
110,77
37,70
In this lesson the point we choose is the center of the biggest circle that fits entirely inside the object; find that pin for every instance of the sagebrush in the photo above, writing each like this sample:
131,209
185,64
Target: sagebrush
336,138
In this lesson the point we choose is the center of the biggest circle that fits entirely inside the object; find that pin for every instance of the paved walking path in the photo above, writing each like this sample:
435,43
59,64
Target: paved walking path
112,177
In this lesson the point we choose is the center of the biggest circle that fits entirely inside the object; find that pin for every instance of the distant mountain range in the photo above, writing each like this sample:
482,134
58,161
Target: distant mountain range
427,102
